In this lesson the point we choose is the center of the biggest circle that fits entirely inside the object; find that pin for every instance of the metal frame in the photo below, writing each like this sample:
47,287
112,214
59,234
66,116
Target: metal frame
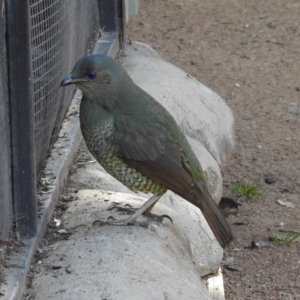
5,162
112,26
22,114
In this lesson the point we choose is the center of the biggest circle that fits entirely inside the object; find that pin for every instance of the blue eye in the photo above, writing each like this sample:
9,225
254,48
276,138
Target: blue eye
92,75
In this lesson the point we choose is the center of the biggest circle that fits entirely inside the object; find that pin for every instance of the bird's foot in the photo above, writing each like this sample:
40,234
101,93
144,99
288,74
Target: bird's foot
156,217
151,219
132,220
112,221
130,210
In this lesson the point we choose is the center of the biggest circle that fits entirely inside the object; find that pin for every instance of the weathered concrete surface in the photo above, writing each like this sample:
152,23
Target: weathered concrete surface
112,262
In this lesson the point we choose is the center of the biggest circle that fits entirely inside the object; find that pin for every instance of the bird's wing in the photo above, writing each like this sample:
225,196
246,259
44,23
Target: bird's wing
153,144
154,152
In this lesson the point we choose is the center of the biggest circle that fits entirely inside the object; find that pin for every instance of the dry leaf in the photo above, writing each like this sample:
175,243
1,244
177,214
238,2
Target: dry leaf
286,203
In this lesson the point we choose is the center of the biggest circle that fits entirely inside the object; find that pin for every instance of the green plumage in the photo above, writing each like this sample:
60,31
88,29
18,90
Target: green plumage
137,141
97,126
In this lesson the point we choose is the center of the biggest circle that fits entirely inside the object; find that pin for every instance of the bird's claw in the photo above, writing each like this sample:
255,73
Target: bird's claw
167,217
99,223
145,224
158,218
110,221
128,208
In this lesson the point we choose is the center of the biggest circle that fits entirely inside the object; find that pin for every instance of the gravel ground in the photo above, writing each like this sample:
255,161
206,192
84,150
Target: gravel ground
247,52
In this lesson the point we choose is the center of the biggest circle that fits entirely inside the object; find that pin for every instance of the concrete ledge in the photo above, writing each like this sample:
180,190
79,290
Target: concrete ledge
131,262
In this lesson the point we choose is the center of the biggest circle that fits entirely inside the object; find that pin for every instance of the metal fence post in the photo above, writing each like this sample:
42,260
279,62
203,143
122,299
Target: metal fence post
22,116
108,15
5,155
112,18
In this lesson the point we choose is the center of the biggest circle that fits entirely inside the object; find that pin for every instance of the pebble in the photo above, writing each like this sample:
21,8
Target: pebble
293,111
270,178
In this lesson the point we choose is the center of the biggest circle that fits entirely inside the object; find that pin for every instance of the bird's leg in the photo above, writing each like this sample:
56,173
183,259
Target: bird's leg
149,204
143,210
151,215
130,210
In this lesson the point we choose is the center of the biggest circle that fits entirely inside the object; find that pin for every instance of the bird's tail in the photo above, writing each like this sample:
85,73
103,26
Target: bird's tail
213,216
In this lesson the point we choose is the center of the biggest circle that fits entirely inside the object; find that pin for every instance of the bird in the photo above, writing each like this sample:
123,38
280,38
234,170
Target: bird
138,142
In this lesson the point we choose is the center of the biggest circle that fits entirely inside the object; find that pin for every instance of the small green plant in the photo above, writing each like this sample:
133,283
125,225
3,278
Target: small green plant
287,239
249,190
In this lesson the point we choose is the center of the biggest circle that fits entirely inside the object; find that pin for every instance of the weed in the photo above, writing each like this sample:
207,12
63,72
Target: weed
287,239
249,190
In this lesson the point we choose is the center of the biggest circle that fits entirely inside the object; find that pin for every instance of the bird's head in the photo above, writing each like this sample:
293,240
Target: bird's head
96,75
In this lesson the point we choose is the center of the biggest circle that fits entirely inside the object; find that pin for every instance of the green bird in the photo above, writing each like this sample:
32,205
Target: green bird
138,142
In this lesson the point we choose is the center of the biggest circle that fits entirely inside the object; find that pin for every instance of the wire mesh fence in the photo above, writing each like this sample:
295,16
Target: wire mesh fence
44,40
61,32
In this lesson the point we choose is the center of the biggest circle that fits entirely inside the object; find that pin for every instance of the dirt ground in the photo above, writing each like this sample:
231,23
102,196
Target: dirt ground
247,52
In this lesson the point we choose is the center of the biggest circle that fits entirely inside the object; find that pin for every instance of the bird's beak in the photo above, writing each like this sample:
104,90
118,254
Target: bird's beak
69,80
